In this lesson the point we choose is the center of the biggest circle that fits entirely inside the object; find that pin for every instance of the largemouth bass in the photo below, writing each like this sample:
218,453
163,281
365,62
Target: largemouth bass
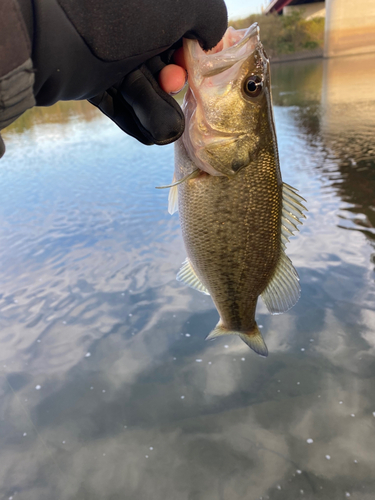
236,213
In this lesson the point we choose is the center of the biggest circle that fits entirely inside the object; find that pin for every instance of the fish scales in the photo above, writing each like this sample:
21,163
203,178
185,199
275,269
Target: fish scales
236,214
221,250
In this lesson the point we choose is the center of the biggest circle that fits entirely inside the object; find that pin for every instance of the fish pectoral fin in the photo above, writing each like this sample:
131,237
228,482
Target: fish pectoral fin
173,193
187,177
252,338
283,291
188,276
173,197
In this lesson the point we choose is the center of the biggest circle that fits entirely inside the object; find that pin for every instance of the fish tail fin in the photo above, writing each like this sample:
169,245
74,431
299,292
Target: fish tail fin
255,341
252,338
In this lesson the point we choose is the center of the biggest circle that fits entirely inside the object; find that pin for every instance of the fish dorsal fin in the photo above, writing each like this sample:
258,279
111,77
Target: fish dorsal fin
283,291
187,276
173,197
292,213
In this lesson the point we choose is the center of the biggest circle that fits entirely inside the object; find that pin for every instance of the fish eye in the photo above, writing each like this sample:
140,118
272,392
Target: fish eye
253,86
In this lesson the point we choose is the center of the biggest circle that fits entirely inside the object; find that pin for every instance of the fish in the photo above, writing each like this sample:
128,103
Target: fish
236,213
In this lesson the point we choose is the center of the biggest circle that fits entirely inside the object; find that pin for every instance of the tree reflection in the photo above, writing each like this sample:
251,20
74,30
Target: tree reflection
334,105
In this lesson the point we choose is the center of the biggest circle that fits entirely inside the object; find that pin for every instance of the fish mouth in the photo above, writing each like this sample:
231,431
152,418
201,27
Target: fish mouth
212,76
235,46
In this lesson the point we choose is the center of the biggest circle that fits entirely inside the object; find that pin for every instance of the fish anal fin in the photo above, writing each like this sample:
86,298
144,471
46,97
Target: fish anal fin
252,338
188,276
283,291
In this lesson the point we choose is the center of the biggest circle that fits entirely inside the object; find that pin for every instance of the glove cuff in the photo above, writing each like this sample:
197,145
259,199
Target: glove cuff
16,70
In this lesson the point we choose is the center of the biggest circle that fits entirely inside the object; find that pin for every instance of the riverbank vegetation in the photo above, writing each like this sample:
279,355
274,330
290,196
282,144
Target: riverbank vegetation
282,35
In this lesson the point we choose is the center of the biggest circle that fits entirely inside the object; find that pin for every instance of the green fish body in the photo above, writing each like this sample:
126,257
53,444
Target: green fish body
236,214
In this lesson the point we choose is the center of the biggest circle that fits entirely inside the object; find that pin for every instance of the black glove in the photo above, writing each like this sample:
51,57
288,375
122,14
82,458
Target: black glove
110,52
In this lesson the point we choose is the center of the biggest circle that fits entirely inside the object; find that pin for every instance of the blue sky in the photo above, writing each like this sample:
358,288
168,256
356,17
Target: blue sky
243,8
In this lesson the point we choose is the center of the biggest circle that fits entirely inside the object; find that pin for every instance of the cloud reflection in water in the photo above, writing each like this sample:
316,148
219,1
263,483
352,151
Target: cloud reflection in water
88,257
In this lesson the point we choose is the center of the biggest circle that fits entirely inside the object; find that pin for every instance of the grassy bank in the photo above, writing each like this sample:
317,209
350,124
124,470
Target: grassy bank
283,35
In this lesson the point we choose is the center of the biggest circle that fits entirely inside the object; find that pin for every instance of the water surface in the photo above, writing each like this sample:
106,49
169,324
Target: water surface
108,390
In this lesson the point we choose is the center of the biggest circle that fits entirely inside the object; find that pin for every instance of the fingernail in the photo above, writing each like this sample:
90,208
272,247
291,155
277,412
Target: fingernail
182,88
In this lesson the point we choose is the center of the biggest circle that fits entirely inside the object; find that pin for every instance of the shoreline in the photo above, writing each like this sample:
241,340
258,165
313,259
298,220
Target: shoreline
298,56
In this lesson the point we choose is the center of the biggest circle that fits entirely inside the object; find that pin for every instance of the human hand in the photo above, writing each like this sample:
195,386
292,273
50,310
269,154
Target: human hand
172,78
117,55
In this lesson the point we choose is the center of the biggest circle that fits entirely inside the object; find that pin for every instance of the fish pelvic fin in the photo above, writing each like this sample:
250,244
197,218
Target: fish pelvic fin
252,338
188,276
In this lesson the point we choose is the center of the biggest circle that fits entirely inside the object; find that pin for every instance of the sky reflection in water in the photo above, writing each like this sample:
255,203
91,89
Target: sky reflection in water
108,390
